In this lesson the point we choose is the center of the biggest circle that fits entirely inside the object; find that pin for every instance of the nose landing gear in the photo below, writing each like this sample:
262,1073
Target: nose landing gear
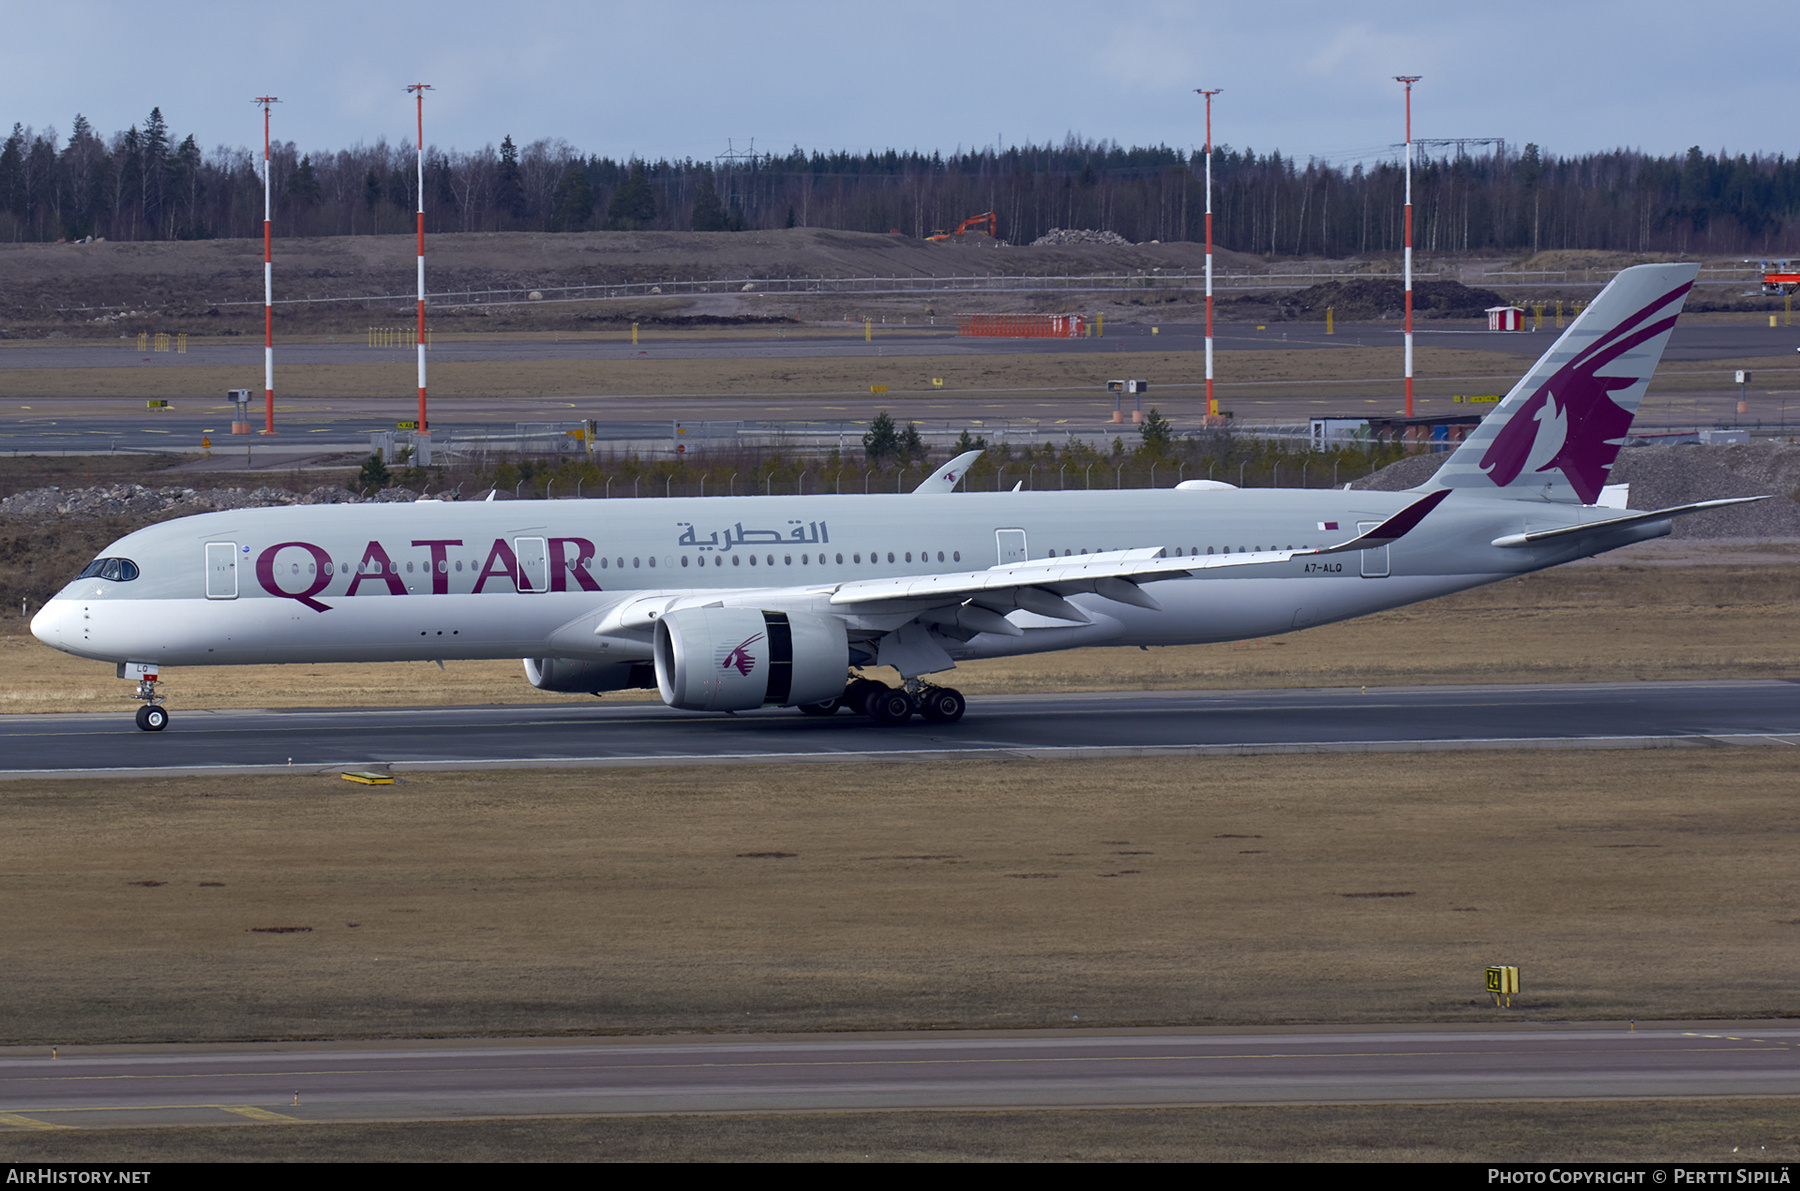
152,716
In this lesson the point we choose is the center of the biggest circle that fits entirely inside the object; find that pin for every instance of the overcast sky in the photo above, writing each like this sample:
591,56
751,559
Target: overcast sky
681,78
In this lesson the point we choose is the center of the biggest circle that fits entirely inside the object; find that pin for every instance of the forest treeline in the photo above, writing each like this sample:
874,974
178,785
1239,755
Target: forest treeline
146,183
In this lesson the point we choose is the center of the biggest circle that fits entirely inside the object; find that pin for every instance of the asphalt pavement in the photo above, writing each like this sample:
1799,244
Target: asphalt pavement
1136,723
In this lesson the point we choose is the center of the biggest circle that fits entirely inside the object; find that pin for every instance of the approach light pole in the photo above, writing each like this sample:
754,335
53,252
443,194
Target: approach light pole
421,455
1212,403
1409,80
268,282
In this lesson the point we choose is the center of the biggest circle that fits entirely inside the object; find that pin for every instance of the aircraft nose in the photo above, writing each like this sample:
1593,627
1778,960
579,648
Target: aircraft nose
47,625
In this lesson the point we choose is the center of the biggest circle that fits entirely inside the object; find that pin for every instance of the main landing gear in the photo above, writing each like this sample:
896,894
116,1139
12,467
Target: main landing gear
895,705
152,716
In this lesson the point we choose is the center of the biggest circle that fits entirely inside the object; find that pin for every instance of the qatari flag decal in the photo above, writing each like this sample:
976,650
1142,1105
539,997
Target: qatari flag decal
1324,525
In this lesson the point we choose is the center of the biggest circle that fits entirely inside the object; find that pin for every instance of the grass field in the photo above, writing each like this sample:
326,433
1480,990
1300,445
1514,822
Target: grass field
1715,1131
976,894
1256,380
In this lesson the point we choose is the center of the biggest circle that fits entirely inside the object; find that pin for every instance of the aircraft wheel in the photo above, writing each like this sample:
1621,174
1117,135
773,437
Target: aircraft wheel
152,719
856,695
828,707
942,705
890,706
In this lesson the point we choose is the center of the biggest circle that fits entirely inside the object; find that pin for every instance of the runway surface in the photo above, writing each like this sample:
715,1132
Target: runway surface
92,1087
1124,723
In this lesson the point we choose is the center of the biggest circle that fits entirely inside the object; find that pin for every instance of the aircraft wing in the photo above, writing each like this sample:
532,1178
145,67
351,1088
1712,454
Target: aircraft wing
1114,574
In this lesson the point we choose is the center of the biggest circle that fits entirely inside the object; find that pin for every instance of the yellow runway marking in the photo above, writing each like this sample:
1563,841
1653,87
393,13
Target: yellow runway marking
257,1114
12,1118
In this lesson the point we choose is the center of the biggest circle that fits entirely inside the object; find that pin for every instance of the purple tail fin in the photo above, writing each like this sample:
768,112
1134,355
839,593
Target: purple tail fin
1556,435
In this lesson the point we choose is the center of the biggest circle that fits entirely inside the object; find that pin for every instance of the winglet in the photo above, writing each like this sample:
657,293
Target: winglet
945,478
1393,529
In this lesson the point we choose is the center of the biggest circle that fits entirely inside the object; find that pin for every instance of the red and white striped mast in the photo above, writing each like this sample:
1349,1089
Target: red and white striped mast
419,89
268,282
1212,404
1408,80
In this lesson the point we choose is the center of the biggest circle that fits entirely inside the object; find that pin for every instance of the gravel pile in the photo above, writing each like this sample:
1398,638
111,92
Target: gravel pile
136,500
1665,476
1064,235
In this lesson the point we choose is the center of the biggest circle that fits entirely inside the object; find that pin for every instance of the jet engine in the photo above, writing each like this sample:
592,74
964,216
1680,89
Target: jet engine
733,659
574,677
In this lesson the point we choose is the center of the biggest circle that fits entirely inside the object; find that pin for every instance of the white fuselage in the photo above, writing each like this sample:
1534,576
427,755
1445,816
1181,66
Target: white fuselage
444,580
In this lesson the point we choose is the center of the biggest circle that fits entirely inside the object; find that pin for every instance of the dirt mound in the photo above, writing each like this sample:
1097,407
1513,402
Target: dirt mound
1366,299
1063,235
1592,258
1661,477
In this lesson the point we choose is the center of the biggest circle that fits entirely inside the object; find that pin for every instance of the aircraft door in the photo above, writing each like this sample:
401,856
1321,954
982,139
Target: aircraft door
534,564
221,570
1011,545
1374,562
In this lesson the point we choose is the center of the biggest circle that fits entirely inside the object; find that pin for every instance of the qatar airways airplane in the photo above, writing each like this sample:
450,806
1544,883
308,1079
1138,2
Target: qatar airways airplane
730,603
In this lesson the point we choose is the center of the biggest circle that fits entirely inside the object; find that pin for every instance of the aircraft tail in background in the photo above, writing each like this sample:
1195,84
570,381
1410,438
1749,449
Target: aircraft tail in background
1558,432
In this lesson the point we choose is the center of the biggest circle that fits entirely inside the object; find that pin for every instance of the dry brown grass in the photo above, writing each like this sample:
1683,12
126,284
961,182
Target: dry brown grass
1253,386
1715,1131
1595,622
652,900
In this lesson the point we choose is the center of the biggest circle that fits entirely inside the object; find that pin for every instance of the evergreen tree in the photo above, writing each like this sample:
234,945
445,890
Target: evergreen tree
154,147
1158,433
709,212
12,174
509,184
633,204
882,443
302,186
374,475
912,447
573,202
187,191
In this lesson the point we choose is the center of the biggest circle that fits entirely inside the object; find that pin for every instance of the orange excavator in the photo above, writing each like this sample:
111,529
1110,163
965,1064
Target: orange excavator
1779,277
972,224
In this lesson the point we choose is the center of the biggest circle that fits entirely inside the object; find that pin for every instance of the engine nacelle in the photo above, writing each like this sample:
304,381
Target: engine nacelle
733,659
574,677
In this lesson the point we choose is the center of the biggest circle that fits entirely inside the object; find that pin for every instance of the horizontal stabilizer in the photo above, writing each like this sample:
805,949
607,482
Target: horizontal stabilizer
1539,537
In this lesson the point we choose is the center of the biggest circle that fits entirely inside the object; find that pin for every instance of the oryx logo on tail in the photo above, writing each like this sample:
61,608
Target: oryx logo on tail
1572,421
1558,433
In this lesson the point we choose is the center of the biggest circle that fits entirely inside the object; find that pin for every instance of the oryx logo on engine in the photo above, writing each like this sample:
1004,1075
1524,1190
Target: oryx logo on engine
741,658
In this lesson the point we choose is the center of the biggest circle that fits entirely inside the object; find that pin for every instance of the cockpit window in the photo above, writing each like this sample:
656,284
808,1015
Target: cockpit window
119,570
